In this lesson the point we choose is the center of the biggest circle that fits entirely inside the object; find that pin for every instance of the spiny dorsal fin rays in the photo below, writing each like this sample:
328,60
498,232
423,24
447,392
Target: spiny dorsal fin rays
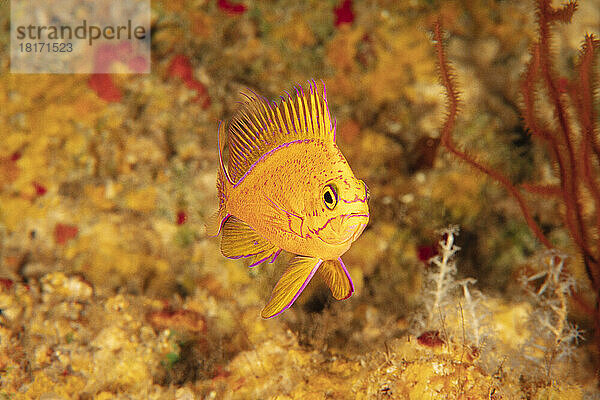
260,126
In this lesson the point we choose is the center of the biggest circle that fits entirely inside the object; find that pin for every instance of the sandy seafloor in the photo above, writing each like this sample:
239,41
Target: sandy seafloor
111,289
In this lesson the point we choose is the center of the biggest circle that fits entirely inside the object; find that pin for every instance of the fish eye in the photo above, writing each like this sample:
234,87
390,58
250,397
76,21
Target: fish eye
330,197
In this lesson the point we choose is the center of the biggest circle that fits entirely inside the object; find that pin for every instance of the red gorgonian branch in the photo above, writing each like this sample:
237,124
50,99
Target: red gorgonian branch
571,137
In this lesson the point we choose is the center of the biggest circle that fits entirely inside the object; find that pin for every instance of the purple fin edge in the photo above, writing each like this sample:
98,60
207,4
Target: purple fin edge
275,256
261,260
221,225
312,273
348,276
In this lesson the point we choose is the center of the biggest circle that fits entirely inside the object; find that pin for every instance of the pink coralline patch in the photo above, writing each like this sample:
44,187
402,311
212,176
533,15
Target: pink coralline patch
231,8
105,88
181,68
137,64
108,53
181,217
220,373
344,13
40,190
124,52
63,233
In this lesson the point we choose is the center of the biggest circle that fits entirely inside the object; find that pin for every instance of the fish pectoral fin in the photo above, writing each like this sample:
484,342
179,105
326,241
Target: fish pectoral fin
240,240
336,276
291,284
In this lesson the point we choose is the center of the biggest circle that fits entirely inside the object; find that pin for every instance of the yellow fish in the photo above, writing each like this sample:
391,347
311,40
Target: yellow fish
288,187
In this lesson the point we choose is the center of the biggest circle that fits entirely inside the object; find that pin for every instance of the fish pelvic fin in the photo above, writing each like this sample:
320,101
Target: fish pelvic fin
290,285
260,126
216,221
336,276
241,241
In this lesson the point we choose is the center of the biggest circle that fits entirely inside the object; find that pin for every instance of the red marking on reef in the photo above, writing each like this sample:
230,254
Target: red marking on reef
425,252
181,217
186,320
40,190
430,339
63,233
220,373
105,88
202,94
231,8
562,84
6,283
181,67
344,13
15,156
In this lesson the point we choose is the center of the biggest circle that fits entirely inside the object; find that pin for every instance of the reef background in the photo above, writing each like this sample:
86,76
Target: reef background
111,289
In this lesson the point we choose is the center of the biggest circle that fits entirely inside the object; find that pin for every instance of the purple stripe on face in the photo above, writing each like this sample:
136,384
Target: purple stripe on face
348,276
355,215
356,200
315,268
339,216
316,231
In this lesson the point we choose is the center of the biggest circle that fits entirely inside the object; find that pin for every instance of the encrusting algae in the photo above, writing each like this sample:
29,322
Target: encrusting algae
289,187
111,287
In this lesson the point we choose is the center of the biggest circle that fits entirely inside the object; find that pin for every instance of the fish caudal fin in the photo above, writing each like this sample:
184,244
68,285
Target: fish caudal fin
336,276
241,241
215,222
291,284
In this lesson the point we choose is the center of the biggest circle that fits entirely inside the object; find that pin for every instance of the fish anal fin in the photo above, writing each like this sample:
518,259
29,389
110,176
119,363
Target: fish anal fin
290,285
336,276
240,240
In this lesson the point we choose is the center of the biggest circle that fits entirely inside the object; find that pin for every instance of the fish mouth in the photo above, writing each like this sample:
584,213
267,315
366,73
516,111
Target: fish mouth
351,227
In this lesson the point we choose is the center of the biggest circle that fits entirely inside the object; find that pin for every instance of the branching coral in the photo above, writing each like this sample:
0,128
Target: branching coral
554,337
571,138
443,297
443,278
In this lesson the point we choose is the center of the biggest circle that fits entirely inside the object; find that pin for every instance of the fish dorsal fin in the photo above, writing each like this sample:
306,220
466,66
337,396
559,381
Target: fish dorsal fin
241,241
260,126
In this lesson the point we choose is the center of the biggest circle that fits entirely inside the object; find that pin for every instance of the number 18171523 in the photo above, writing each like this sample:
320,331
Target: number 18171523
39,47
